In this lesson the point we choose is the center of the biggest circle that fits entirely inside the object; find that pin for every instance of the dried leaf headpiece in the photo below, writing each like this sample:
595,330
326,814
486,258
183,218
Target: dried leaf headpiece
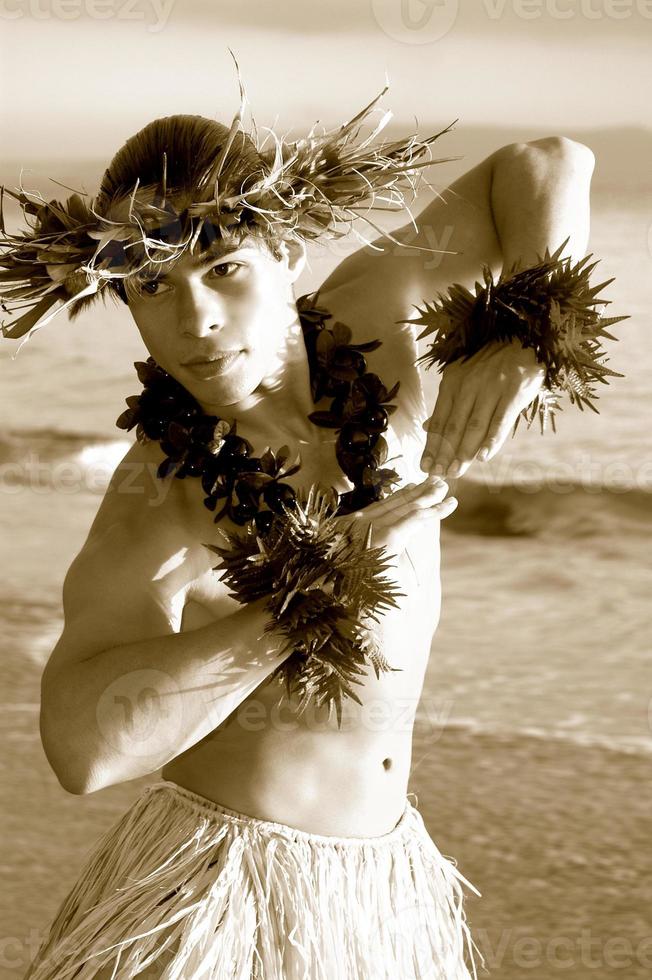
308,189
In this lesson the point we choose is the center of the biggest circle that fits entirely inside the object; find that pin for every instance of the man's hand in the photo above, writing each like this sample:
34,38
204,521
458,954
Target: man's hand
477,405
403,513
539,195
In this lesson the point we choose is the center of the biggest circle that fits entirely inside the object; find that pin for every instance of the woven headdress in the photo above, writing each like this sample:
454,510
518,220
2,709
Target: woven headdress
311,188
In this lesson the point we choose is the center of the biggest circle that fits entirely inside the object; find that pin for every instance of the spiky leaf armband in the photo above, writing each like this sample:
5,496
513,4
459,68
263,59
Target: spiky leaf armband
548,307
323,584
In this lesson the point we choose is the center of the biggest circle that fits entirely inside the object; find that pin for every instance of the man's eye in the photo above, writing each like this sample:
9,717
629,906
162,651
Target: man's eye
148,286
223,265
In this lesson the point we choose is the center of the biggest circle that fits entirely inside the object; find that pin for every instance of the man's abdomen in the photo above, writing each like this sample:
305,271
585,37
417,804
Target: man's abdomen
304,770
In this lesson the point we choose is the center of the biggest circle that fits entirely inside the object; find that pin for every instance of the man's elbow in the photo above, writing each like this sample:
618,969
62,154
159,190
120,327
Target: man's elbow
560,151
577,155
76,782
69,778
75,788
63,756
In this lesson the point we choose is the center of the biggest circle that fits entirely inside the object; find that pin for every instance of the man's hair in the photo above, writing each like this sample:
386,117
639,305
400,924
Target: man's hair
183,148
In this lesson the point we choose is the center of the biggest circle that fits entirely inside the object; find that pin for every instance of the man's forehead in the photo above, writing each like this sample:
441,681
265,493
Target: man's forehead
196,260
218,250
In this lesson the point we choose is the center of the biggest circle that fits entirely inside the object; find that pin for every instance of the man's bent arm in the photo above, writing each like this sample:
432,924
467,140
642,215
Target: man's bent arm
540,195
127,711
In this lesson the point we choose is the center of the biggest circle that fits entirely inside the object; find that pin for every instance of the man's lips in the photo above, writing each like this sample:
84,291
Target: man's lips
221,356
215,366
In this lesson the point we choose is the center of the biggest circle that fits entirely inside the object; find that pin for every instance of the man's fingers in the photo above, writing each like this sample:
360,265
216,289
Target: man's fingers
433,510
425,495
435,428
449,503
499,427
453,432
402,501
476,432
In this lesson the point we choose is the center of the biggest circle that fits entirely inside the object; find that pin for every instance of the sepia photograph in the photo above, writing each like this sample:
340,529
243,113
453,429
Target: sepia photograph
326,489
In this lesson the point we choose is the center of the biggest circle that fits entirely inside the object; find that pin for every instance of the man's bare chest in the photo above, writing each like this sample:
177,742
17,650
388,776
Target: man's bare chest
207,598
405,636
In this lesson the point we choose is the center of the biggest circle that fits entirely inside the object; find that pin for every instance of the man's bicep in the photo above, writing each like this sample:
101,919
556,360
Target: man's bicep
111,596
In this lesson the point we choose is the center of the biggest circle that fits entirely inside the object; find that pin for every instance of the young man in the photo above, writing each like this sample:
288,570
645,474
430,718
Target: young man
278,843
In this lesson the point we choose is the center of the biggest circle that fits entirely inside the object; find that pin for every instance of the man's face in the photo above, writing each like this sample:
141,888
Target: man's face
239,303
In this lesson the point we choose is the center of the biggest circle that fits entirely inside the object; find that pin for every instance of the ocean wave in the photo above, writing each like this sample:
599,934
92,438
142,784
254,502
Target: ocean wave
43,457
49,442
534,510
472,728
31,625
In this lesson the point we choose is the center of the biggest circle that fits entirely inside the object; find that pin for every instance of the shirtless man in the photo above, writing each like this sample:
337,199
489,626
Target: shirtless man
157,667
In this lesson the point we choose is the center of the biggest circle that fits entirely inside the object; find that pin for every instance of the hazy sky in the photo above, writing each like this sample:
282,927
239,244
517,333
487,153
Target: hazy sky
76,81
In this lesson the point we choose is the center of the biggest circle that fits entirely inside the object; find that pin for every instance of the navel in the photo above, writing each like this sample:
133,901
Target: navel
387,763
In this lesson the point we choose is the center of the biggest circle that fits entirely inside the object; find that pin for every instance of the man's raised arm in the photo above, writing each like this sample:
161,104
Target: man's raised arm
540,195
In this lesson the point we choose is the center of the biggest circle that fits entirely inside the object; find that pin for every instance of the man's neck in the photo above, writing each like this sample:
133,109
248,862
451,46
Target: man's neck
277,411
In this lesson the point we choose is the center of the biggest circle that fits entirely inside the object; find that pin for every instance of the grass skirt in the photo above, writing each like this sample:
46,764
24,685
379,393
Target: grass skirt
182,888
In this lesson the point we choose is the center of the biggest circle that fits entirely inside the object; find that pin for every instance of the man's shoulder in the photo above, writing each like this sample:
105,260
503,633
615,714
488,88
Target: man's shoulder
136,496
350,302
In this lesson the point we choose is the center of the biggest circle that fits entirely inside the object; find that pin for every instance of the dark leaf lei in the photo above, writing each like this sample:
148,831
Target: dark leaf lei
324,582
200,445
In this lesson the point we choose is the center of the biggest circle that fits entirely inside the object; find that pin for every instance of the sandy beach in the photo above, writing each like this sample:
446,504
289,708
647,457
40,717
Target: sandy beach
554,836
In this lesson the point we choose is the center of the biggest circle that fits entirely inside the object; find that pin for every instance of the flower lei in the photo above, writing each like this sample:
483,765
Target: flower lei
323,583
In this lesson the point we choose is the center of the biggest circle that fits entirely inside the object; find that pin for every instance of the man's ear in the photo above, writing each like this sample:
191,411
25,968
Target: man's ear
295,253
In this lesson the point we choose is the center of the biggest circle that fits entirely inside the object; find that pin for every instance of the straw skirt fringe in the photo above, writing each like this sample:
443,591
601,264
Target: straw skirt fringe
182,888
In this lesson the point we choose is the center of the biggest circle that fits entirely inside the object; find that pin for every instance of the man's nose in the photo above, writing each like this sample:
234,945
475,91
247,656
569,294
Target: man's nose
200,310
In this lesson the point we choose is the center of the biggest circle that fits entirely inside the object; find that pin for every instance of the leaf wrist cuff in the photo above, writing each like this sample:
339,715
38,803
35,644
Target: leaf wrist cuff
549,307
